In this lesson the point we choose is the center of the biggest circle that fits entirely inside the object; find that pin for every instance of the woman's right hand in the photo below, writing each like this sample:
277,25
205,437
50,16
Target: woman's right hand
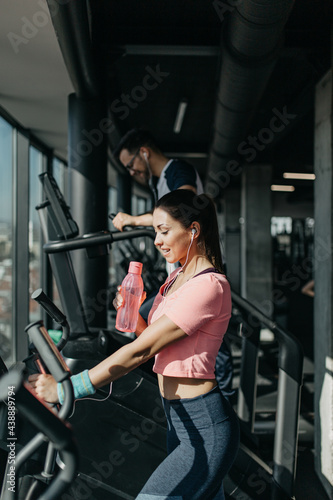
45,387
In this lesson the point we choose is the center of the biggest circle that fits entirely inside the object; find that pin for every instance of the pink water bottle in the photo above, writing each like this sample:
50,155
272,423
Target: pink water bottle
131,291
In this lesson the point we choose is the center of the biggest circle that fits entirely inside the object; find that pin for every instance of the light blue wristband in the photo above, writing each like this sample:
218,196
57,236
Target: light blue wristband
81,384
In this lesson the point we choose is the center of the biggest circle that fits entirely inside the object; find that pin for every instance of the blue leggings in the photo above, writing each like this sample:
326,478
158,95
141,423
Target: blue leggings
202,443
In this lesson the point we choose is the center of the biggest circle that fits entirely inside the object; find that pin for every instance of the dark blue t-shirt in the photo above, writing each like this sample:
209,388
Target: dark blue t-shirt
175,174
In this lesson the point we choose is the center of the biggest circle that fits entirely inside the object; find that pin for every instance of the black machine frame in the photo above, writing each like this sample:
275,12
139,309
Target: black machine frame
281,475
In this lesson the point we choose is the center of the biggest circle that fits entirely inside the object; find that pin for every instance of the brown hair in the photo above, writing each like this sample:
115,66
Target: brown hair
187,207
135,139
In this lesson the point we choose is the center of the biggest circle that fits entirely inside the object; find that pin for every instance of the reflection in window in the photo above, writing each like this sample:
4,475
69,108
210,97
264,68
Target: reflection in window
6,247
35,197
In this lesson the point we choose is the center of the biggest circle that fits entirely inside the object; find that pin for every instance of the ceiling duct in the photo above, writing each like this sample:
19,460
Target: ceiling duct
71,24
252,38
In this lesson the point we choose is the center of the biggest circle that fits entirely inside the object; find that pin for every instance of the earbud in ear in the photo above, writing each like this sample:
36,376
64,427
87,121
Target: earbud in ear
194,231
145,155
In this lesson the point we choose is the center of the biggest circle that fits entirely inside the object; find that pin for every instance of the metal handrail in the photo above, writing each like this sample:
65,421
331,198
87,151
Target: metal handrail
290,363
291,357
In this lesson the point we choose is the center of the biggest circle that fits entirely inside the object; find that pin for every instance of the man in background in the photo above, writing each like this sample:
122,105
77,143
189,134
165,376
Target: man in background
141,156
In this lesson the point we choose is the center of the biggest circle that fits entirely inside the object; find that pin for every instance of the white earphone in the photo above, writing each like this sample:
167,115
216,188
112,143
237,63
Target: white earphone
194,231
145,155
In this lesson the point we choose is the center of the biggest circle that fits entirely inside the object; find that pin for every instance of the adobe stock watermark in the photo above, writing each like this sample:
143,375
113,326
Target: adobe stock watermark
94,305
30,27
126,102
223,8
130,441
259,481
120,106
295,277
278,122
249,148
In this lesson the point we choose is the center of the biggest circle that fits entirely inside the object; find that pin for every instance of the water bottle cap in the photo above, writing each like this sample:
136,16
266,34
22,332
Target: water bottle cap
135,267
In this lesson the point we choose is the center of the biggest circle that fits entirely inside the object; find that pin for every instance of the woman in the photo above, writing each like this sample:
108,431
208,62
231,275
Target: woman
185,328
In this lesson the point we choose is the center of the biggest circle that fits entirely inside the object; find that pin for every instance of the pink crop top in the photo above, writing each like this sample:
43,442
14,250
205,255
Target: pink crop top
202,309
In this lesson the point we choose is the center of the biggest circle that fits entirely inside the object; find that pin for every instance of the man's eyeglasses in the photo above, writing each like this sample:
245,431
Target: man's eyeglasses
130,164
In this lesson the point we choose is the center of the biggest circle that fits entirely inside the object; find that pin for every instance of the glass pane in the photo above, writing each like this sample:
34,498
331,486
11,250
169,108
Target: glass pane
35,197
60,173
6,248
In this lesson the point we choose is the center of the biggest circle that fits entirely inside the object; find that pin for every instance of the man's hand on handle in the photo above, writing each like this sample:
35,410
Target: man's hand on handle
122,219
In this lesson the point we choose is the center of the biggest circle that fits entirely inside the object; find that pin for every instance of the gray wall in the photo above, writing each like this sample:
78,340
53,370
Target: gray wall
323,327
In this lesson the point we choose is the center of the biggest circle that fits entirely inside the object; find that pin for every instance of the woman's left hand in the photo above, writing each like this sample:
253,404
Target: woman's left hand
45,387
118,301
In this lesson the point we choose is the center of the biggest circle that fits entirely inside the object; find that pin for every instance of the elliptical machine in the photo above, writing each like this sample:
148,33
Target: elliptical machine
53,480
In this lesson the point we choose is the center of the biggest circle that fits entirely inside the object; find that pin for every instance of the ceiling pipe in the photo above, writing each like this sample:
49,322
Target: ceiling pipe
71,24
251,41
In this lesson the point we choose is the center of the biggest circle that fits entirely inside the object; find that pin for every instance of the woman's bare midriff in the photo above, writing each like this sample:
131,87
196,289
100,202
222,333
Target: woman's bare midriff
181,387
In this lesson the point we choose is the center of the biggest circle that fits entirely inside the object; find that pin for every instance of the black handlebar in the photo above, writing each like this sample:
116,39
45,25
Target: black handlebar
35,410
51,427
95,239
48,351
44,301
55,430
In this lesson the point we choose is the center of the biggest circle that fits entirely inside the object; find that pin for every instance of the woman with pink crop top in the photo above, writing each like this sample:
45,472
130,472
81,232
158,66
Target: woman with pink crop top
185,329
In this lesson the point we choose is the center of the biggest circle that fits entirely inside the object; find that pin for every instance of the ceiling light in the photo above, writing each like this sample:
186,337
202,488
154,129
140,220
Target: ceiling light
294,175
180,116
278,187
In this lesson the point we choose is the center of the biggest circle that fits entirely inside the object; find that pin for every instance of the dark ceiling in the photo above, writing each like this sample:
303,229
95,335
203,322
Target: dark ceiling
179,42
237,63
